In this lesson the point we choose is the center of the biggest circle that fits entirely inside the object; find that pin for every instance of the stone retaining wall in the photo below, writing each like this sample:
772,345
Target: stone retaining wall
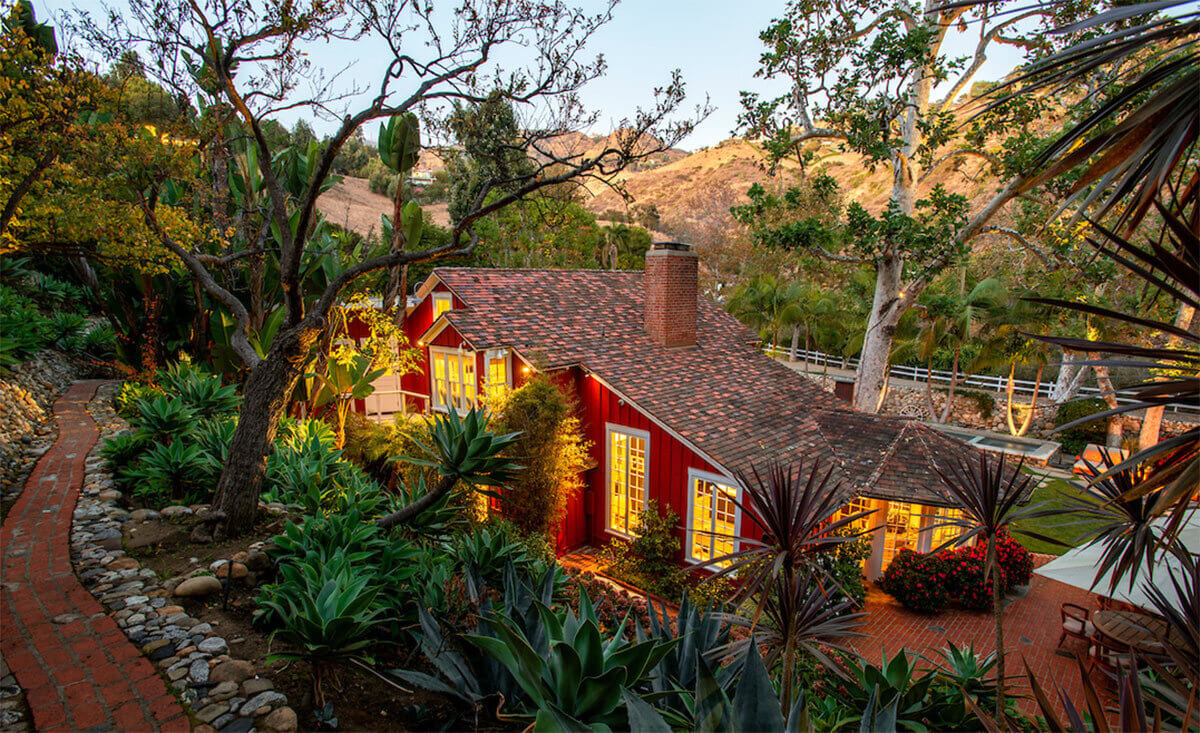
222,692
27,394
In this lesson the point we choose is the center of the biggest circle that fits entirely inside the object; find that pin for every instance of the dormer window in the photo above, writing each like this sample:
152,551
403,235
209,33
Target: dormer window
442,302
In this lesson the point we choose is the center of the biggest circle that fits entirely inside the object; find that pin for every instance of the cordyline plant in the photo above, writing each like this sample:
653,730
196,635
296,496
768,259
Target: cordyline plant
243,62
990,496
792,511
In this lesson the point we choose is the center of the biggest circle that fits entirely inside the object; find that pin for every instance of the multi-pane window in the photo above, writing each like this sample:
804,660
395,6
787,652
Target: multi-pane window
902,531
442,302
714,519
857,505
497,379
453,379
627,476
939,536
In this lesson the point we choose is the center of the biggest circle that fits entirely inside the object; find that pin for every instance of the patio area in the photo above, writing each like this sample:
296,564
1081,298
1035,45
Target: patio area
1031,633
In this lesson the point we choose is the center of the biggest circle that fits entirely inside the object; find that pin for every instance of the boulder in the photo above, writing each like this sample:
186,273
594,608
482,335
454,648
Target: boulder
201,585
239,570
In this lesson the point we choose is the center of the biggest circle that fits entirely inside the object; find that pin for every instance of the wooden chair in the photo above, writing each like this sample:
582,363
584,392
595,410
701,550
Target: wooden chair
1109,655
1075,623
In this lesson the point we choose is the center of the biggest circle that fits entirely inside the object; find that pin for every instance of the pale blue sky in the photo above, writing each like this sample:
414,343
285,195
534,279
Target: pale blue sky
715,44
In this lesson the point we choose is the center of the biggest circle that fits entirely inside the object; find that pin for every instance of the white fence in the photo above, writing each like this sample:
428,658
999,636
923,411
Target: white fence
969,381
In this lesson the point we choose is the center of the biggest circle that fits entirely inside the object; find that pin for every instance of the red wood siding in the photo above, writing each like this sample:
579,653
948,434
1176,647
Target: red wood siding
669,459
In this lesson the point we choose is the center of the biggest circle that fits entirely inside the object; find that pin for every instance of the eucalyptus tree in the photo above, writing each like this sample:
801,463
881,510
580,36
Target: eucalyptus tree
866,82
247,61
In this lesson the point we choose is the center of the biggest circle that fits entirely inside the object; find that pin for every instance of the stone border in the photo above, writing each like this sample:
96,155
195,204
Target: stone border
221,691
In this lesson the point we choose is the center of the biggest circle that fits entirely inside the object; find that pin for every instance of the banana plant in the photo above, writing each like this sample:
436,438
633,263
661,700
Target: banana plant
400,142
576,679
343,378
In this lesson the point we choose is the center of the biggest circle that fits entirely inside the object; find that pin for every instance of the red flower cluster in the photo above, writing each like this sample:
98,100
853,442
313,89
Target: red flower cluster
929,583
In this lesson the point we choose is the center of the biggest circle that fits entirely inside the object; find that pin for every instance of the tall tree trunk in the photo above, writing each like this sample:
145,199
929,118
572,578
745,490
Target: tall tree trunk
267,391
997,618
953,384
1116,431
929,391
806,349
1070,378
795,344
886,309
1152,420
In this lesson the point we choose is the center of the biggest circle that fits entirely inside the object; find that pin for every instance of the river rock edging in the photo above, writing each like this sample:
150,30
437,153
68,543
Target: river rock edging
221,691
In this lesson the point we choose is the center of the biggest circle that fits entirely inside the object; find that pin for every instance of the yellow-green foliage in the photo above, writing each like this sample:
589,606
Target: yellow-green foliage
551,449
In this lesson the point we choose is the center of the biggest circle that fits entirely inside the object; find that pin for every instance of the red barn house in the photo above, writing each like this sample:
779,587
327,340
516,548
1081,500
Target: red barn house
673,395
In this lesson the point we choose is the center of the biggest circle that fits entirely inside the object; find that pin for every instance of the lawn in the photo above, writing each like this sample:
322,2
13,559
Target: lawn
1060,526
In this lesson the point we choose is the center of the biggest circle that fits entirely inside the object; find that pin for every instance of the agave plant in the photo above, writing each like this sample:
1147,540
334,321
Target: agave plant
463,451
121,450
702,633
174,472
163,418
328,612
575,678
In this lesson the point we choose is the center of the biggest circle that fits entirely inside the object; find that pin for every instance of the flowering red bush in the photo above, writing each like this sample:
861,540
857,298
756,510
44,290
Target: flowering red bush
1016,561
929,583
968,584
918,581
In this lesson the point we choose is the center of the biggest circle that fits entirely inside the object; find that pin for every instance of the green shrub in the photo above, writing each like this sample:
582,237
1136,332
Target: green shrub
918,581
550,448
844,565
648,561
100,341
162,418
1075,439
171,473
486,553
121,450
126,400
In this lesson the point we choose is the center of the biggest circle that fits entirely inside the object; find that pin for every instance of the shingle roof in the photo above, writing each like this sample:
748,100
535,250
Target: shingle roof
728,399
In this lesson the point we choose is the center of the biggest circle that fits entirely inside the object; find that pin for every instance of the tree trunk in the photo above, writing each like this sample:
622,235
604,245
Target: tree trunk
1028,420
267,391
1152,420
953,384
795,343
1116,422
1070,379
806,344
997,618
929,391
886,310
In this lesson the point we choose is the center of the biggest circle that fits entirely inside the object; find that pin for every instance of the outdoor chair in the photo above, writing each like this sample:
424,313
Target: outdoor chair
1109,655
1075,623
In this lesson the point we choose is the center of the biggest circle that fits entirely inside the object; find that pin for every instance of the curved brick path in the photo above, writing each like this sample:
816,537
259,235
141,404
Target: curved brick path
79,672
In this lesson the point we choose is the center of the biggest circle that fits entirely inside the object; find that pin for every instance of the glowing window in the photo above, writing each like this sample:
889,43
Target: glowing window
942,535
453,379
498,378
903,530
713,518
856,506
442,302
627,478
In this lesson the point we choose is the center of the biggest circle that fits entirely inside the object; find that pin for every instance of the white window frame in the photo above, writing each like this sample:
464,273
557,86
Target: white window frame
442,298
463,356
491,355
693,475
609,429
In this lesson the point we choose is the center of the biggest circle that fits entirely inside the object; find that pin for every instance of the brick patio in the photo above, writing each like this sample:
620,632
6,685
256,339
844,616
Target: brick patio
1031,632
77,668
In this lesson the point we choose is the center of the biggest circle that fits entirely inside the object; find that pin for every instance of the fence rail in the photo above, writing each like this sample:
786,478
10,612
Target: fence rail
970,381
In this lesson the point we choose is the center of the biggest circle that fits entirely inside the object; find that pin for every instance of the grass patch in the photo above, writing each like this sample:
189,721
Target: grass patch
1061,527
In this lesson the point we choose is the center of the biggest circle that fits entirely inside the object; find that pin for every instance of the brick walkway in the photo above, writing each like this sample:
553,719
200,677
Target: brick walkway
77,668
1031,631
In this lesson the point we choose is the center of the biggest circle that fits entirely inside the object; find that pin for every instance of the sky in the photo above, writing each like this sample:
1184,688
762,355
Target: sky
715,44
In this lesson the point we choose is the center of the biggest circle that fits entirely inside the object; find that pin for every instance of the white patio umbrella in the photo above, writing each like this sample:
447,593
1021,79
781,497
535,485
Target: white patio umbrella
1077,567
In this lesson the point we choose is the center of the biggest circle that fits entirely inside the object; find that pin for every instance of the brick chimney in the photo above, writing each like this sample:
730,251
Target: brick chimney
671,293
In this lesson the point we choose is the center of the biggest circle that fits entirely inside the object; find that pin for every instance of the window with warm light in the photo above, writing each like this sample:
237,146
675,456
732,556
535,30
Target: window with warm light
498,377
442,302
902,531
942,535
857,506
453,379
628,474
713,518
